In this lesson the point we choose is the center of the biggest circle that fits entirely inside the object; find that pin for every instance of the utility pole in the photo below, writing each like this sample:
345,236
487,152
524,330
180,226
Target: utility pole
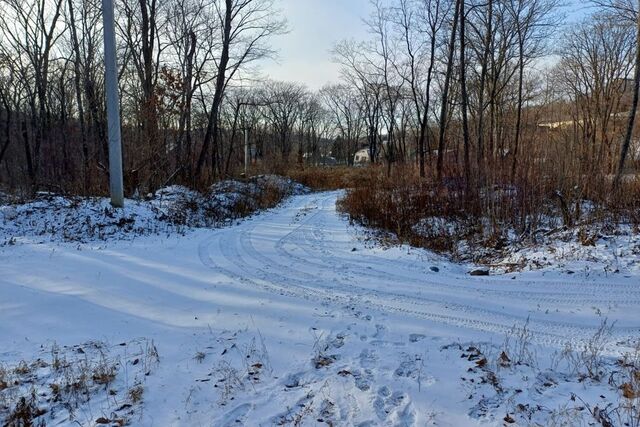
113,106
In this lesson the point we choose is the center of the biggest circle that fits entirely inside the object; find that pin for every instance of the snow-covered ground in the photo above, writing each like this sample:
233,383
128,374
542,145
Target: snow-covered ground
171,210
294,317
607,249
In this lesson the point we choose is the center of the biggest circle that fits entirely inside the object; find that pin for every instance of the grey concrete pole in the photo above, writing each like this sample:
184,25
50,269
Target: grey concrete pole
113,106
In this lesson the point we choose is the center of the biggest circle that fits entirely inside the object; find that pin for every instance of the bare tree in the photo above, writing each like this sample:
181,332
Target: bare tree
597,58
534,24
464,101
446,87
358,72
30,31
628,11
193,26
382,58
419,24
78,93
283,108
343,103
246,25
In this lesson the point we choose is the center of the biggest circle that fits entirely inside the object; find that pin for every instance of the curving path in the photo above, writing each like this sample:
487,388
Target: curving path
294,286
308,250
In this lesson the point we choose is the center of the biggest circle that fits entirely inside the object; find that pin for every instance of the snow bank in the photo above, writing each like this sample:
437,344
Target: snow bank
224,201
607,248
172,209
50,217
576,250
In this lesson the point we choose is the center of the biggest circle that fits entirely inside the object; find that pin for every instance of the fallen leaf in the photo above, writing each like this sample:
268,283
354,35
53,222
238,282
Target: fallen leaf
628,391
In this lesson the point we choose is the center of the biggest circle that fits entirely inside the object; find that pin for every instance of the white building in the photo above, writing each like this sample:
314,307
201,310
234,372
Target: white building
361,157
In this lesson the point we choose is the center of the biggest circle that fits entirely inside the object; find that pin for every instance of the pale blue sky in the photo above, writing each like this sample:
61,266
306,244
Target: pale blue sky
315,27
304,53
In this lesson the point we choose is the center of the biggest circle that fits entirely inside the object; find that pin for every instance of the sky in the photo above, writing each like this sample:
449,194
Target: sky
315,26
304,54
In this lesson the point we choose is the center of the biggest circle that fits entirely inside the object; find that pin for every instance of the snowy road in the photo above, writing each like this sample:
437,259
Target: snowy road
303,283
307,251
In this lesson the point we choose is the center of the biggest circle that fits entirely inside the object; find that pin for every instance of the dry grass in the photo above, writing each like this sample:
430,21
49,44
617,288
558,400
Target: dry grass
26,412
135,394
327,178
443,215
629,408
74,382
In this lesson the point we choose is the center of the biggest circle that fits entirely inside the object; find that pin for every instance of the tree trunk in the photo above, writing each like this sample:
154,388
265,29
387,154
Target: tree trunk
211,135
634,105
425,114
516,144
464,96
7,129
445,91
481,106
79,101
183,144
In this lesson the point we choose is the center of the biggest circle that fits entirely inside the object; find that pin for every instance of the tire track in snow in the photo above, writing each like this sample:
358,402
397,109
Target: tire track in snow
555,292
253,254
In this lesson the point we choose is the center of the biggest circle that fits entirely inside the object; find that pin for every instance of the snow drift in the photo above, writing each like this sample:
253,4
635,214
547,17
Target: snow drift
168,210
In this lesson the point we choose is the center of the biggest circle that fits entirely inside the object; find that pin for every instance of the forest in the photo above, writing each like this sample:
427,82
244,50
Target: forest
501,90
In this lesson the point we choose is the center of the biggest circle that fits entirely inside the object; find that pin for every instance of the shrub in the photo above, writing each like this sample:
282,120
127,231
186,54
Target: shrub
443,215
327,178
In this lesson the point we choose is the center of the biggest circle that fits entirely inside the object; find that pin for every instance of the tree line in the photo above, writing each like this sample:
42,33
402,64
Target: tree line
497,87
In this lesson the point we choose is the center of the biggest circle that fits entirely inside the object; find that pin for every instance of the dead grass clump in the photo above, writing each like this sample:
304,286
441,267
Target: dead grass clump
200,356
518,348
244,366
588,361
269,195
135,393
480,220
229,382
26,412
327,178
629,408
414,210
66,388
105,372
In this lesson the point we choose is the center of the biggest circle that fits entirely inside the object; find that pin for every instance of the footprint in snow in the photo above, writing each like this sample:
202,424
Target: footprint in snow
294,380
363,380
368,358
380,331
394,407
416,337
237,416
382,343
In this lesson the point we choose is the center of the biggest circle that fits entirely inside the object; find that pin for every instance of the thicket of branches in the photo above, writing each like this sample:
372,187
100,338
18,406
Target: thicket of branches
471,82
463,93
496,115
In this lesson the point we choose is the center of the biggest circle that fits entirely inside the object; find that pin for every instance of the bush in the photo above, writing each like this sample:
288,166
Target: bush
327,178
447,215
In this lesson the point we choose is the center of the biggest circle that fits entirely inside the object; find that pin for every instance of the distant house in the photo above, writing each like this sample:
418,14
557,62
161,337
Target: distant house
362,157
560,124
